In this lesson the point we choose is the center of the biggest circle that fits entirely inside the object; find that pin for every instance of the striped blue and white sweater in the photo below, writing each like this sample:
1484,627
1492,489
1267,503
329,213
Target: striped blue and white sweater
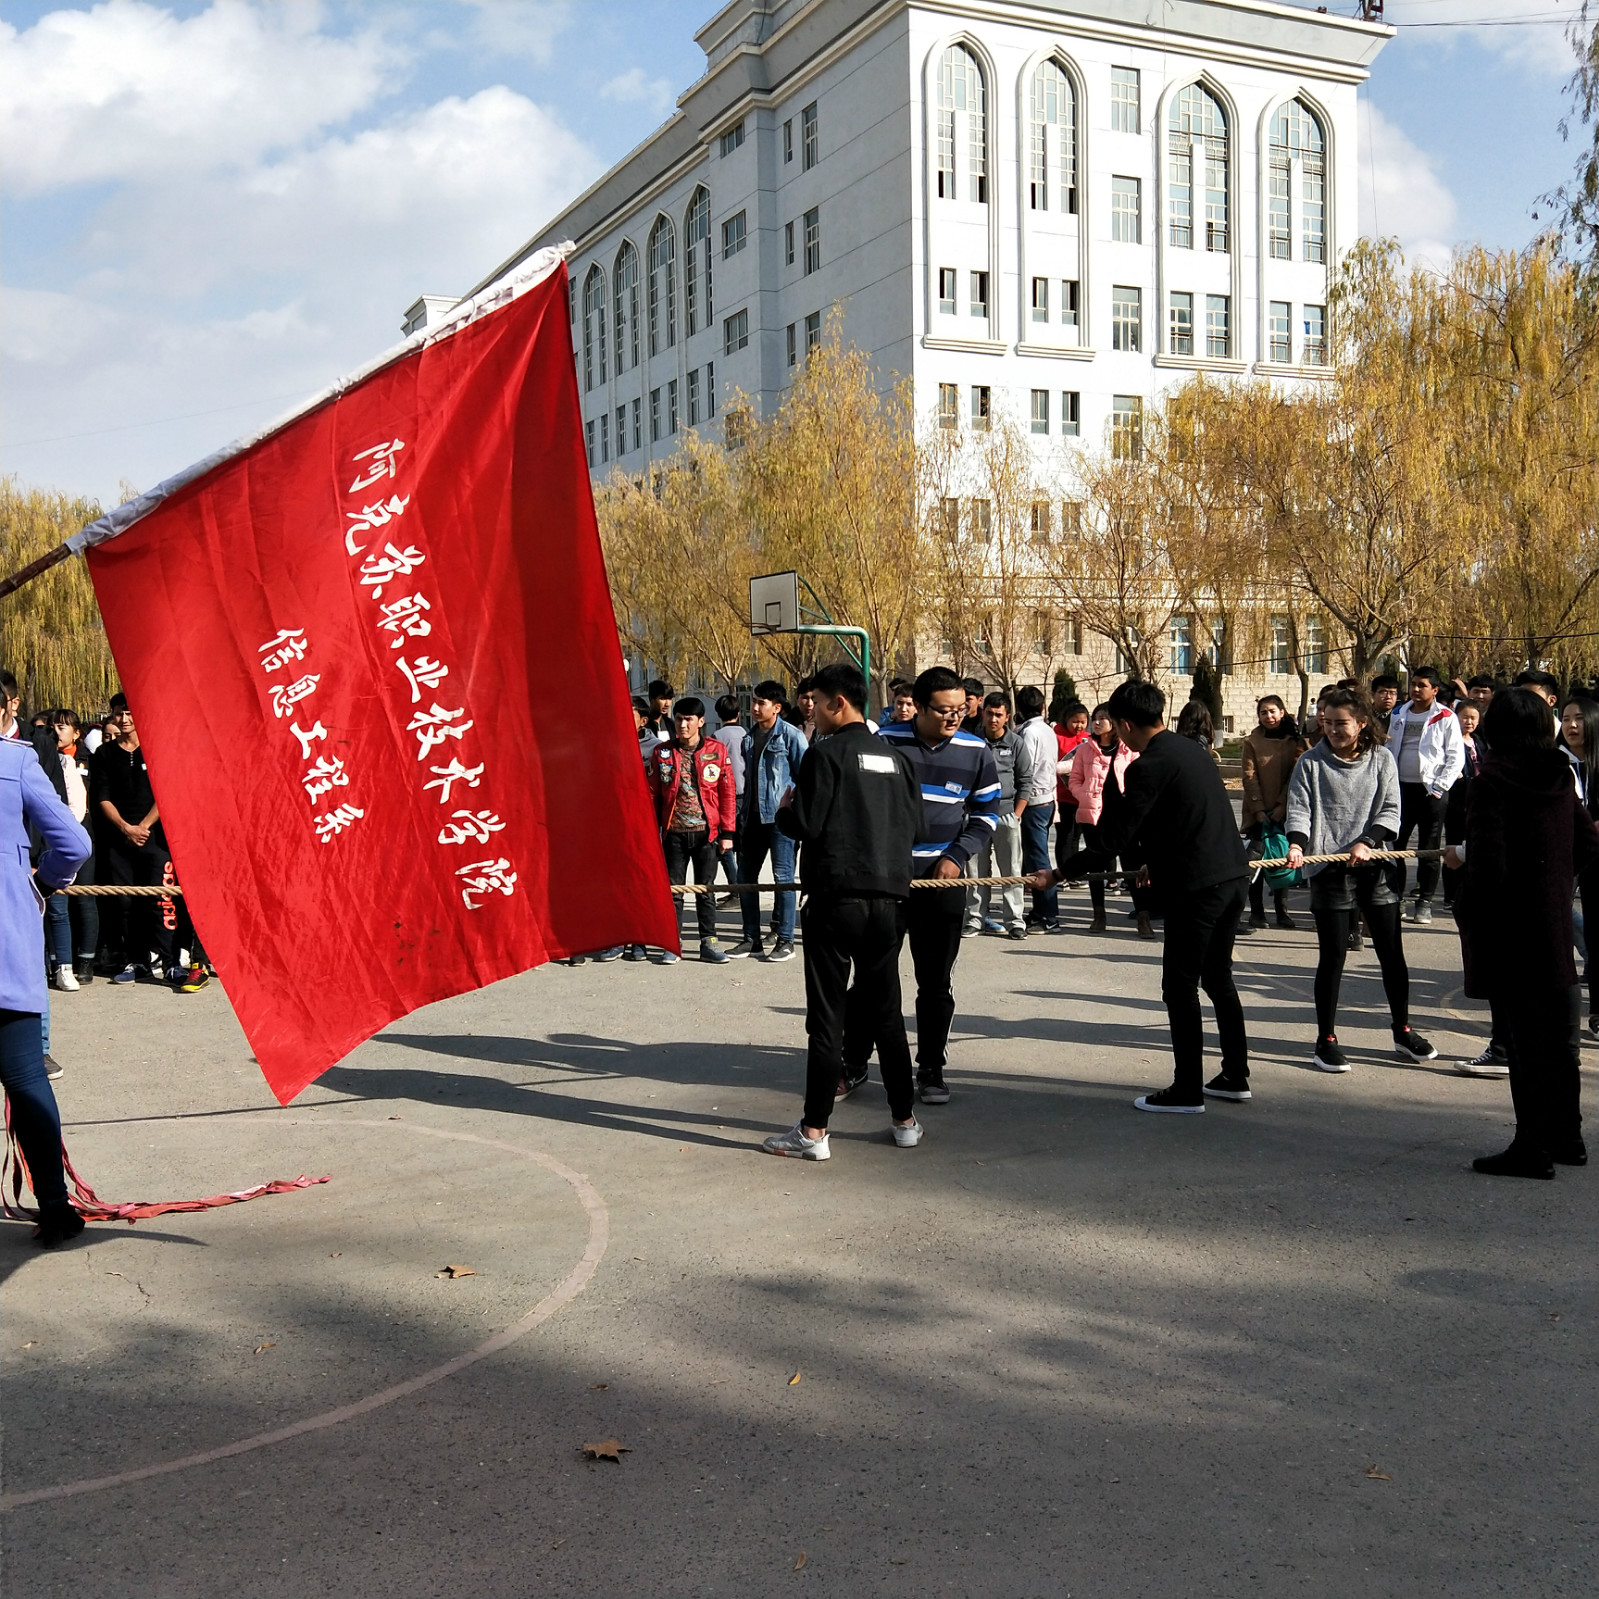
960,795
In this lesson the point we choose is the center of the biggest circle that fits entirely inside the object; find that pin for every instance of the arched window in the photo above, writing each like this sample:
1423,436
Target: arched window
663,286
593,328
1197,118
697,312
1054,144
1296,136
962,117
624,306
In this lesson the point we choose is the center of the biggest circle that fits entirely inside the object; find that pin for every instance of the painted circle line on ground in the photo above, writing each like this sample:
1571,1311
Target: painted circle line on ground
568,1289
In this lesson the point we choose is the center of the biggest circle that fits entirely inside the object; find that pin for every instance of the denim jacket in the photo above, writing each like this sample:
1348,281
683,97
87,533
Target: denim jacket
785,749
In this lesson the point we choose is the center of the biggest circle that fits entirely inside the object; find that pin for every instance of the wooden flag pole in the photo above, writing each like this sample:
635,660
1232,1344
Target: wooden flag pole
34,569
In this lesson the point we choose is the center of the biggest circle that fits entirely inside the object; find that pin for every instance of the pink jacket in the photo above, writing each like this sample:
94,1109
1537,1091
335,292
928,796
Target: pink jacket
1086,780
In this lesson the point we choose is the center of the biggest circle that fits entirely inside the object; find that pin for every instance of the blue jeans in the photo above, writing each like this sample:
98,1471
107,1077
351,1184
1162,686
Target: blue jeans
34,1114
58,930
1035,857
755,843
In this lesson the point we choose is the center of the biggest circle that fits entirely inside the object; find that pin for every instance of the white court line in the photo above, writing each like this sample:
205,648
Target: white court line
570,1287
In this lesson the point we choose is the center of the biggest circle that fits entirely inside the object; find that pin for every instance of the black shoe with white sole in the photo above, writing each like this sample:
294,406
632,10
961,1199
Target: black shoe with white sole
1170,1102
1225,1087
930,1088
1492,1062
1410,1045
1329,1057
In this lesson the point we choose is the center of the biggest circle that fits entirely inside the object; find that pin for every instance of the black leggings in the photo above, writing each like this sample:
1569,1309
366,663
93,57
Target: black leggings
1332,942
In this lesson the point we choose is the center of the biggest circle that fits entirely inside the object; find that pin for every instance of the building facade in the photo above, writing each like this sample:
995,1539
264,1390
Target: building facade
1062,209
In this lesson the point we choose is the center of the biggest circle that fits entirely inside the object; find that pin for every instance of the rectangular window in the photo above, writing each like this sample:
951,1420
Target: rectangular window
1279,333
788,244
1039,522
1180,324
605,438
1315,335
1126,318
982,520
736,430
949,406
980,294
671,405
1220,656
710,388
1219,326
1041,410
735,332
1040,299
1074,636
813,240
1216,195
1126,427
1126,211
1315,645
694,398
638,424
1277,229
1313,205
1182,646
732,139
788,141
1071,413
733,236
655,416
1180,185
1124,114
1071,526
812,138
949,519
588,430
946,290
1068,302
982,407
792,350
621,430
813,331
1278,661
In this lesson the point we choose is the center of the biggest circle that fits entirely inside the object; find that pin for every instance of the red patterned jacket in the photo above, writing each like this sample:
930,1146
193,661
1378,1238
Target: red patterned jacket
718,795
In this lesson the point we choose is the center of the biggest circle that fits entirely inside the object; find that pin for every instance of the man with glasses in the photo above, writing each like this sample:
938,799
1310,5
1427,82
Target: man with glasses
960,802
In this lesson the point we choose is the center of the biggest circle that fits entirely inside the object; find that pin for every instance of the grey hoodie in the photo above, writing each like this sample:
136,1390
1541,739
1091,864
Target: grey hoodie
1334,804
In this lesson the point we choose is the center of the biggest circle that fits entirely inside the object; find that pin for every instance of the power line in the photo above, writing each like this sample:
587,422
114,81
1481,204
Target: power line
154,422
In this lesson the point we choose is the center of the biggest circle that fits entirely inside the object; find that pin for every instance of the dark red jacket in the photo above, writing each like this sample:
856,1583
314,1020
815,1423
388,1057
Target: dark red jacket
718,795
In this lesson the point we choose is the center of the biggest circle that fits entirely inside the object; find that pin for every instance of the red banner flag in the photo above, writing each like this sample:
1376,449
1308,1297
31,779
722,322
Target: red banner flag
372,657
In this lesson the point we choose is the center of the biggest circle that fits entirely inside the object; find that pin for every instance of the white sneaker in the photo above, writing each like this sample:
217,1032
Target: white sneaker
908,1137
794,1142
65,980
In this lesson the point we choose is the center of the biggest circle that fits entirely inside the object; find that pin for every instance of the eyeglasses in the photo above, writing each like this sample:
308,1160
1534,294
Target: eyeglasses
952,713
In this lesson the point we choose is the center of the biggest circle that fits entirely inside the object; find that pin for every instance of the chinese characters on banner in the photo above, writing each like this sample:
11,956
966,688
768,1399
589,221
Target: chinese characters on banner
374,663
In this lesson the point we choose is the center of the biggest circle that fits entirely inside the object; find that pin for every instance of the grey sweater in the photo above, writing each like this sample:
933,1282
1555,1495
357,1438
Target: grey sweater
1335,804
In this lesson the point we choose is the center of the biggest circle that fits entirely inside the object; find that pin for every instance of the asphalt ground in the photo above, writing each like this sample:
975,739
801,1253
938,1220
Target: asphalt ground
1061,1348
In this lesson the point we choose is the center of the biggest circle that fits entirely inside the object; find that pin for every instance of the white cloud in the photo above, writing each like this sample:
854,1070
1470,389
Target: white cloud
1540,46
637,87
257,264
1401,196
527,31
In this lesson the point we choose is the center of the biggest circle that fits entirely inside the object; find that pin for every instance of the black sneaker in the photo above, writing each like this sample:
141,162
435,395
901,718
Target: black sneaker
1171,1102
1329,1057
930,1088
1257,919
782,950
53,1068
1572,1154
1225,1087
57,1223
1355,940
1286,922
1516,1162
1410,1045
849,1082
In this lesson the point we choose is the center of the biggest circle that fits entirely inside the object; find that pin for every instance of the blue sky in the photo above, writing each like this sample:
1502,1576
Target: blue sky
207,211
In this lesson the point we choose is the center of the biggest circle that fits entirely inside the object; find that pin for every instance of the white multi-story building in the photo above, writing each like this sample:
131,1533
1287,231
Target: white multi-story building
1062,207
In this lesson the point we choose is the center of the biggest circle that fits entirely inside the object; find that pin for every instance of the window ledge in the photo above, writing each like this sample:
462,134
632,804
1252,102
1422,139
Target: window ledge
1062,352
970,346
1280,369
1200,363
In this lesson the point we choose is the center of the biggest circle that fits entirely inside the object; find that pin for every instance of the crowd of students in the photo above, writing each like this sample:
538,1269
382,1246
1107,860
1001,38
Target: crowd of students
1368,770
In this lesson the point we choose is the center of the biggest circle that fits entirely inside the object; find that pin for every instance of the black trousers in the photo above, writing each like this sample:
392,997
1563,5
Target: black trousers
1543,1034
933,918
1200,928
1332,940
698,850
159,925
1066,834
1421,815
866,935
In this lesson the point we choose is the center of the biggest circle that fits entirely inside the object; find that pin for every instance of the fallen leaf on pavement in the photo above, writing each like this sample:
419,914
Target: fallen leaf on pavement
335,1255
30,1343
597,1385
394,1118
799,1565
457,1271
1378,1476
795,1378
557,1544
607,1449
260,1347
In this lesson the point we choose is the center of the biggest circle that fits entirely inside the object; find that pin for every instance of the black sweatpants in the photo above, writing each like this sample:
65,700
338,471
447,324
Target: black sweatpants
1421,814
1543,1034
863,934
933,919
153,924
1332,944
698,850
1201,925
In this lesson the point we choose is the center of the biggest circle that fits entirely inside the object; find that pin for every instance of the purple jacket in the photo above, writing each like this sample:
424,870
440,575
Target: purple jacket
27,797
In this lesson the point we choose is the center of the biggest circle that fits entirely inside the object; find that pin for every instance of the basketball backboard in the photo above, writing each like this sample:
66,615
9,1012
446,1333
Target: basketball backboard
774,603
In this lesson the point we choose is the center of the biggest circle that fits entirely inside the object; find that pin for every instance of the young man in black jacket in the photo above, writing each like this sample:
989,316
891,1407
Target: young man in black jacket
856,809
1174,815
